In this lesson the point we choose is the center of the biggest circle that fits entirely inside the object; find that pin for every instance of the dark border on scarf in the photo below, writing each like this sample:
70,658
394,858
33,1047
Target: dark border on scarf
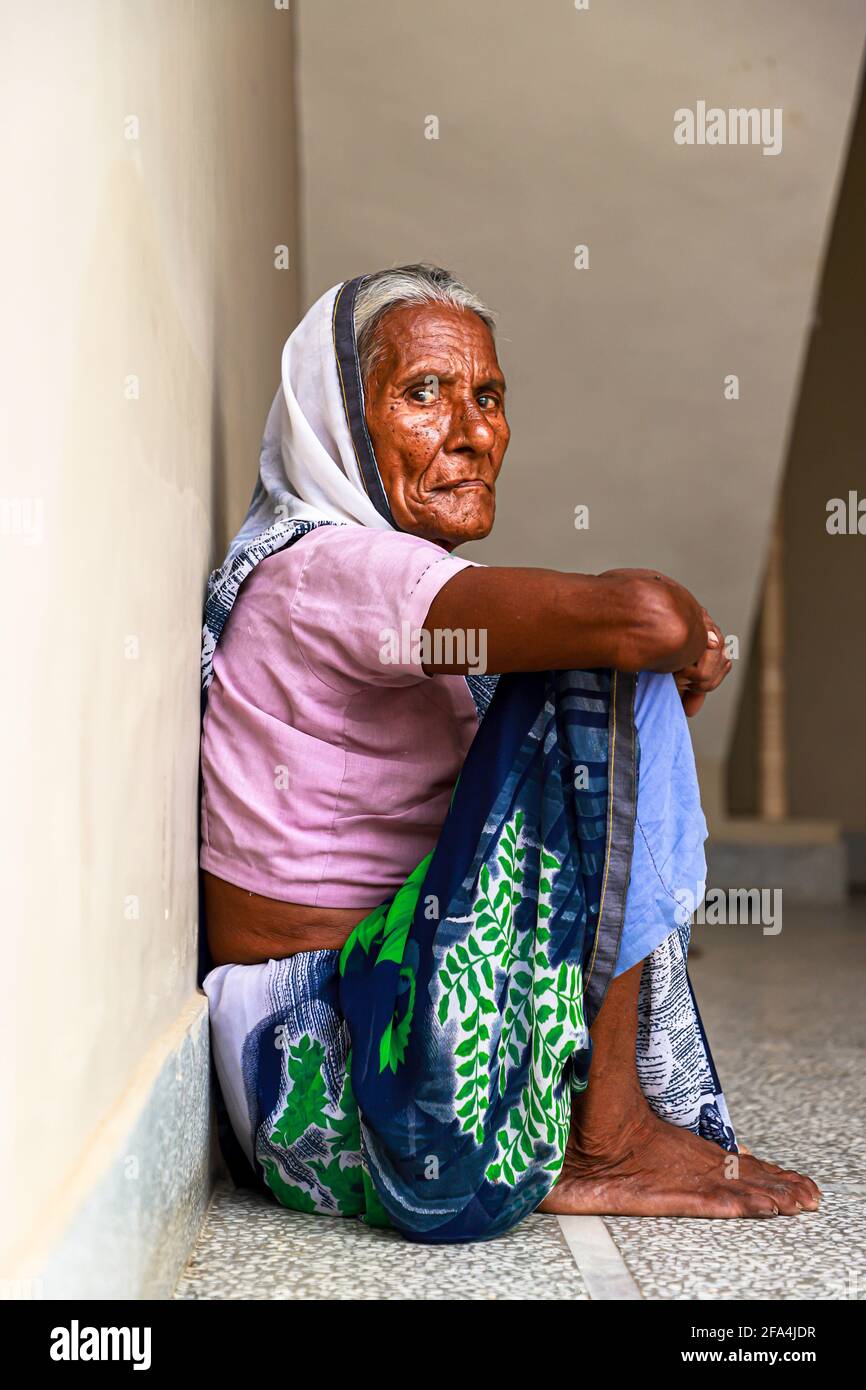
349,371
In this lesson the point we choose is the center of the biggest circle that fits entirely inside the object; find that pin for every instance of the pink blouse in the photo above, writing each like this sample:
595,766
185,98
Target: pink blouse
328,756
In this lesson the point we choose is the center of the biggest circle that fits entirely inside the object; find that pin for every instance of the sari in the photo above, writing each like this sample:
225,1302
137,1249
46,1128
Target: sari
422,1077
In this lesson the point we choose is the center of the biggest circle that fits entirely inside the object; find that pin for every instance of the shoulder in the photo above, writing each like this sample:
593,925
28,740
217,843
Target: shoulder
366,551
357,589
365,540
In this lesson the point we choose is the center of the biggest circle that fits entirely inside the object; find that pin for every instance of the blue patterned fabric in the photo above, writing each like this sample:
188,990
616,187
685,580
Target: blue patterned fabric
468,999
426,1084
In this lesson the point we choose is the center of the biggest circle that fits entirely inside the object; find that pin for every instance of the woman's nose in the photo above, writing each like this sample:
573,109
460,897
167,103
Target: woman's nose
470,428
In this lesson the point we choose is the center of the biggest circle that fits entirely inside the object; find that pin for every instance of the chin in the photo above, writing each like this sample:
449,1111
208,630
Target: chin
461,532
471,525
452,530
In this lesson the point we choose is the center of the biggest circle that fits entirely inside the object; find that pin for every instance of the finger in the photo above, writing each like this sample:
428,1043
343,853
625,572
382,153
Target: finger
711,673
713,663
714,682
715,636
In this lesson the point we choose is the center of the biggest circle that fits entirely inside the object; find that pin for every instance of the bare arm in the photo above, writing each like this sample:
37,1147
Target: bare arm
536,619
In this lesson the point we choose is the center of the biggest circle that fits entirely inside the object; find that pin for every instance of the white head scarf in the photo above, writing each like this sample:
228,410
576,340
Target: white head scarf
317,462
316,466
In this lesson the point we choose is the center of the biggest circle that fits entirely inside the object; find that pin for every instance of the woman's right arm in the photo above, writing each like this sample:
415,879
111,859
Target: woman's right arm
538,620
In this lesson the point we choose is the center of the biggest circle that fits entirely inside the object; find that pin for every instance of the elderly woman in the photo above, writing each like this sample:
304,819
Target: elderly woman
432,894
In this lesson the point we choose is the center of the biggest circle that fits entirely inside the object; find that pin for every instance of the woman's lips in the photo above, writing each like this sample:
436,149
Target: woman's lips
464,484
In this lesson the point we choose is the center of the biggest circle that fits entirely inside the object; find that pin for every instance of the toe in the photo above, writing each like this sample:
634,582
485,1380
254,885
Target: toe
808,1195
785,1196
808,1187
807,1192
741,1199
791,1195
757,1202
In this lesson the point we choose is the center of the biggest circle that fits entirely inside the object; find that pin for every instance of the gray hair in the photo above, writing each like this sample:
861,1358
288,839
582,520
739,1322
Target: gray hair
406,284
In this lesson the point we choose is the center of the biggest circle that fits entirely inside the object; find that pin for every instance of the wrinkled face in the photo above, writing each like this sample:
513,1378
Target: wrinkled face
435,410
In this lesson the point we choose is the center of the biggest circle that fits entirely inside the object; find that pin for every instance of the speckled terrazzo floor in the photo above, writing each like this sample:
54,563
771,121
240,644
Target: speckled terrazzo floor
786,1020
251,1249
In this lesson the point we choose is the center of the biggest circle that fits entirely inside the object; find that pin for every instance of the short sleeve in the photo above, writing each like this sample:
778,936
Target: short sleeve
362,599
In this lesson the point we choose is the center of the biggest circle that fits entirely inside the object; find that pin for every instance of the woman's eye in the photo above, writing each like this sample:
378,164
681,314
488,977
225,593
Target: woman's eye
422,394
487,402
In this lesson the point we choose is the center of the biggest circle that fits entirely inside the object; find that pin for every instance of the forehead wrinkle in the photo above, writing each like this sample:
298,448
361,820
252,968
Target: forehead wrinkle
447,364
461,346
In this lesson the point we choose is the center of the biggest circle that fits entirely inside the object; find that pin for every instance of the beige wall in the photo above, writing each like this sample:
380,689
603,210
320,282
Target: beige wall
556,128
152,257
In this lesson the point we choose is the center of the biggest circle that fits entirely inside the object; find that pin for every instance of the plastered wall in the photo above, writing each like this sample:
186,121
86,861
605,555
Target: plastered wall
150,147
556,129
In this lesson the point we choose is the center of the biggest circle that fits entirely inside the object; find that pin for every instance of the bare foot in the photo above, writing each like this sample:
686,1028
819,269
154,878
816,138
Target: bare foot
652,1168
